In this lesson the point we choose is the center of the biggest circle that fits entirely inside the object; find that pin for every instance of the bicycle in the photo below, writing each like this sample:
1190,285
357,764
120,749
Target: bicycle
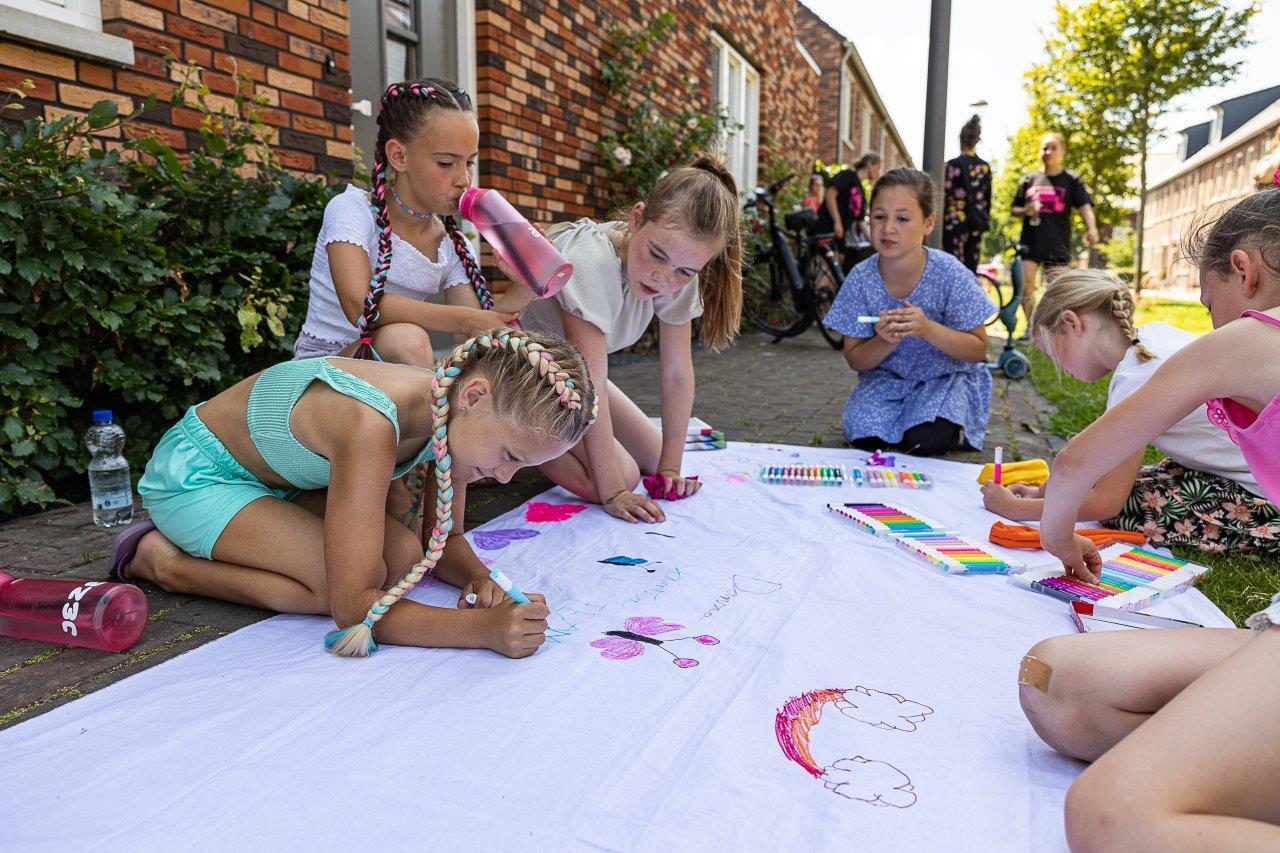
786,292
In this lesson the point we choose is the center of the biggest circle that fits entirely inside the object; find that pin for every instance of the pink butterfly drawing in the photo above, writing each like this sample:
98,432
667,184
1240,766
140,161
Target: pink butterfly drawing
641,631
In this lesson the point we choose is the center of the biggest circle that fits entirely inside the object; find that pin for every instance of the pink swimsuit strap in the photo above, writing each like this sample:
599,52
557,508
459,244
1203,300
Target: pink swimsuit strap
1266,318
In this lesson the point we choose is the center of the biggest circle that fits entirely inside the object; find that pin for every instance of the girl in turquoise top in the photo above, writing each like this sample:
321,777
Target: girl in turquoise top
263,495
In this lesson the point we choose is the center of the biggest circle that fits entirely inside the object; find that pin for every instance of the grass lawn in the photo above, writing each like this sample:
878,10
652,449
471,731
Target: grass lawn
1238,585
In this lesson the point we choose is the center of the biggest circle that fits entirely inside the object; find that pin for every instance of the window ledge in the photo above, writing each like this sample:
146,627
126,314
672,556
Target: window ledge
62,36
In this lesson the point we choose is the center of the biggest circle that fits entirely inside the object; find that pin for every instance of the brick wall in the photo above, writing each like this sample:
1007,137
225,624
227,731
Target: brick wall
542,107
282,46
826,46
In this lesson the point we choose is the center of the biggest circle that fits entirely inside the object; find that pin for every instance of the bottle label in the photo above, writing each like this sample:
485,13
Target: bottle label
71,609
113,500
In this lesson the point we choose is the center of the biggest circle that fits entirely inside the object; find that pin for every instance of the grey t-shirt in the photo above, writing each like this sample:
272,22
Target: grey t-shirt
597,293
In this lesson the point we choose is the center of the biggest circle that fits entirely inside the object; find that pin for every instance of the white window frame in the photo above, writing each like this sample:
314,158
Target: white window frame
79,13
74,26
737,93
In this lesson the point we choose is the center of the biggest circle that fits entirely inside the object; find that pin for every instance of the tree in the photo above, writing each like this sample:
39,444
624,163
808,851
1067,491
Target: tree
1112,71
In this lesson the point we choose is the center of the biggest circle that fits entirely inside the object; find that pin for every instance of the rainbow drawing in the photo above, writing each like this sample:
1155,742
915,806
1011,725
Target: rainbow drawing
873,782
925,539
1131,579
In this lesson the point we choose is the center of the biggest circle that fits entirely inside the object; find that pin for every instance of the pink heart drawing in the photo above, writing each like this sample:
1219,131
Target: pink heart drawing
539,511
496,540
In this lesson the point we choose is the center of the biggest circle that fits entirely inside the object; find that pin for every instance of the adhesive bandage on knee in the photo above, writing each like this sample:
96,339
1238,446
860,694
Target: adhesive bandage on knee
1034,672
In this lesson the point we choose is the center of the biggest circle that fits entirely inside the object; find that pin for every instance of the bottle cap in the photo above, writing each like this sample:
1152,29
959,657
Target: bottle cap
466,200
102,416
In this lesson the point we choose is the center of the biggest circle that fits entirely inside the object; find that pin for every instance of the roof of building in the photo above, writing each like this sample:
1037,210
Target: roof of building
1259,122
851,54
1197,137
1237,111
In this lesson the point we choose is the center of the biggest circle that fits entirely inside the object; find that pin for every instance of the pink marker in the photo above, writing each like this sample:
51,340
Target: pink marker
999,463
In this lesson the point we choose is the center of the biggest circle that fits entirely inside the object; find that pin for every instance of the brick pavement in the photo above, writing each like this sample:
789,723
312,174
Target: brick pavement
790,392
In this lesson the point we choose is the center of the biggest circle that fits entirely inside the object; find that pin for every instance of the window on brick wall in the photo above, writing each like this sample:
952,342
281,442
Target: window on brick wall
74,26
80,13
737,93
402,41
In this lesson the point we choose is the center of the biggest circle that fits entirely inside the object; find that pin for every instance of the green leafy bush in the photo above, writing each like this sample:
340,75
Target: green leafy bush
137,279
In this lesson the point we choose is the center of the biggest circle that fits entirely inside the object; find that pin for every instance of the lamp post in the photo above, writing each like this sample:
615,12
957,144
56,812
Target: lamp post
935,101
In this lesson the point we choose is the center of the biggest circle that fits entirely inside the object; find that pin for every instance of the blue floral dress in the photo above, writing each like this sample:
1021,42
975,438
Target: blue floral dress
917,383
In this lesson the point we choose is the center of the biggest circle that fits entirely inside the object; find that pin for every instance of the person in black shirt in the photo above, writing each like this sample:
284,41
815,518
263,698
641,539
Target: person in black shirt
1045,200
844,210
966,190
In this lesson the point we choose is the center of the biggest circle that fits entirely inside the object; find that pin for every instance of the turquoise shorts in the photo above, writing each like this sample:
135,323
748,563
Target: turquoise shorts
193,486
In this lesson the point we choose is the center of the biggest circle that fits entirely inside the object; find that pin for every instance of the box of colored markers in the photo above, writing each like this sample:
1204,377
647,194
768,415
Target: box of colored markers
1131,579
889,478
803,475
925,539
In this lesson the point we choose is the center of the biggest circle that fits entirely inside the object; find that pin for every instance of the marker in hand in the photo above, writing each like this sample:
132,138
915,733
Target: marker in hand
505,584
472,598
999,463
864,318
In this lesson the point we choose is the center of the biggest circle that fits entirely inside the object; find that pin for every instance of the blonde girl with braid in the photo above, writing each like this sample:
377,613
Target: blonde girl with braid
676,255
274,493
380,254
1202,493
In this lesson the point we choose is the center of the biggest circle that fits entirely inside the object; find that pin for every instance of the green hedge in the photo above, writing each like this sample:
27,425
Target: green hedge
136,279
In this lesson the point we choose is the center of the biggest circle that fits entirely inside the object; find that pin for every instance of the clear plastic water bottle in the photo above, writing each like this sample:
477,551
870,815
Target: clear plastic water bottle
108,472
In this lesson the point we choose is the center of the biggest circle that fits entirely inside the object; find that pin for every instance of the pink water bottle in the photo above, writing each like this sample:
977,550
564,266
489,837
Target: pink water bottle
91,614
517,242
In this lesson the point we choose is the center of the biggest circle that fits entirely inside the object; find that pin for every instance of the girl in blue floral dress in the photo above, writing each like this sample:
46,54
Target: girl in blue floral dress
923,386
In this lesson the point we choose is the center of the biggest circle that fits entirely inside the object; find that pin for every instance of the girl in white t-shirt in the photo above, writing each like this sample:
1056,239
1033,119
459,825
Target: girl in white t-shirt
677,255
427,145
1202,494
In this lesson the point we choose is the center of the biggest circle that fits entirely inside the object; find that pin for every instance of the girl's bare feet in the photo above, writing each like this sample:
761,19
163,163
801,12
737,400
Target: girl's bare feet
154,554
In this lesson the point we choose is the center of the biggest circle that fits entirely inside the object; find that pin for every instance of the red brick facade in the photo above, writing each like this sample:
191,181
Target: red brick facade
294,52
541,101
866,119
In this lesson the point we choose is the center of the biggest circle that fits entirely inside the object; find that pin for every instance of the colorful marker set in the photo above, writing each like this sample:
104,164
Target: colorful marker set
889,478
704,439
925,539
1131,579
803,475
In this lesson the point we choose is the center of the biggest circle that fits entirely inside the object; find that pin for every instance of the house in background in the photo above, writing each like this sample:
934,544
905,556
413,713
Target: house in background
533,67
295,52
1220,161
861,121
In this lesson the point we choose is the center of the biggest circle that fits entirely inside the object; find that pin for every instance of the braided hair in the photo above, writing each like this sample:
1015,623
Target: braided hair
1083,291
521,368
402,114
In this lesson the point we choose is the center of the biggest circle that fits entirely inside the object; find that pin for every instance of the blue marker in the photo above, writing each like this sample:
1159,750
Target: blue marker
857,478
505,584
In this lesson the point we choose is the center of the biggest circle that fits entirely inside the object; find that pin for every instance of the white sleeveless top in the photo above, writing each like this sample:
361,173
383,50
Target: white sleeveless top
348,218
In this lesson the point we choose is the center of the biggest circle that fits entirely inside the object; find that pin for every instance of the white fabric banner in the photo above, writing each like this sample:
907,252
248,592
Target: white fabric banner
759,674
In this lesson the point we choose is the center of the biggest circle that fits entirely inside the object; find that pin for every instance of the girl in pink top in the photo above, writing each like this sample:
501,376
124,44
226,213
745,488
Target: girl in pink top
1182,724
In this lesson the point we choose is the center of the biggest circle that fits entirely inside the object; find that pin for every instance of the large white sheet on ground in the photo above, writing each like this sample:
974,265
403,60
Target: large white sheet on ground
894,685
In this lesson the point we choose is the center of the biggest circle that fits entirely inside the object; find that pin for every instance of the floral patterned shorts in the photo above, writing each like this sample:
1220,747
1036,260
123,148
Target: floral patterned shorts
1172,505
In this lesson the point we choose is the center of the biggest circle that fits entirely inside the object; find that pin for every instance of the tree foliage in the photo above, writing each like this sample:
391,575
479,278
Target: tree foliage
1114,68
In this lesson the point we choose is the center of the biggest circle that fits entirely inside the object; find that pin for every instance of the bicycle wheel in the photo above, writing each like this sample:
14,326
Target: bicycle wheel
769,301
824,277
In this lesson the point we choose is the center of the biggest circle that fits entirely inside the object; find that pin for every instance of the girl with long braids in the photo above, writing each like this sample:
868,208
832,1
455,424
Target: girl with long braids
380,254
274,492
676,255
1202,494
